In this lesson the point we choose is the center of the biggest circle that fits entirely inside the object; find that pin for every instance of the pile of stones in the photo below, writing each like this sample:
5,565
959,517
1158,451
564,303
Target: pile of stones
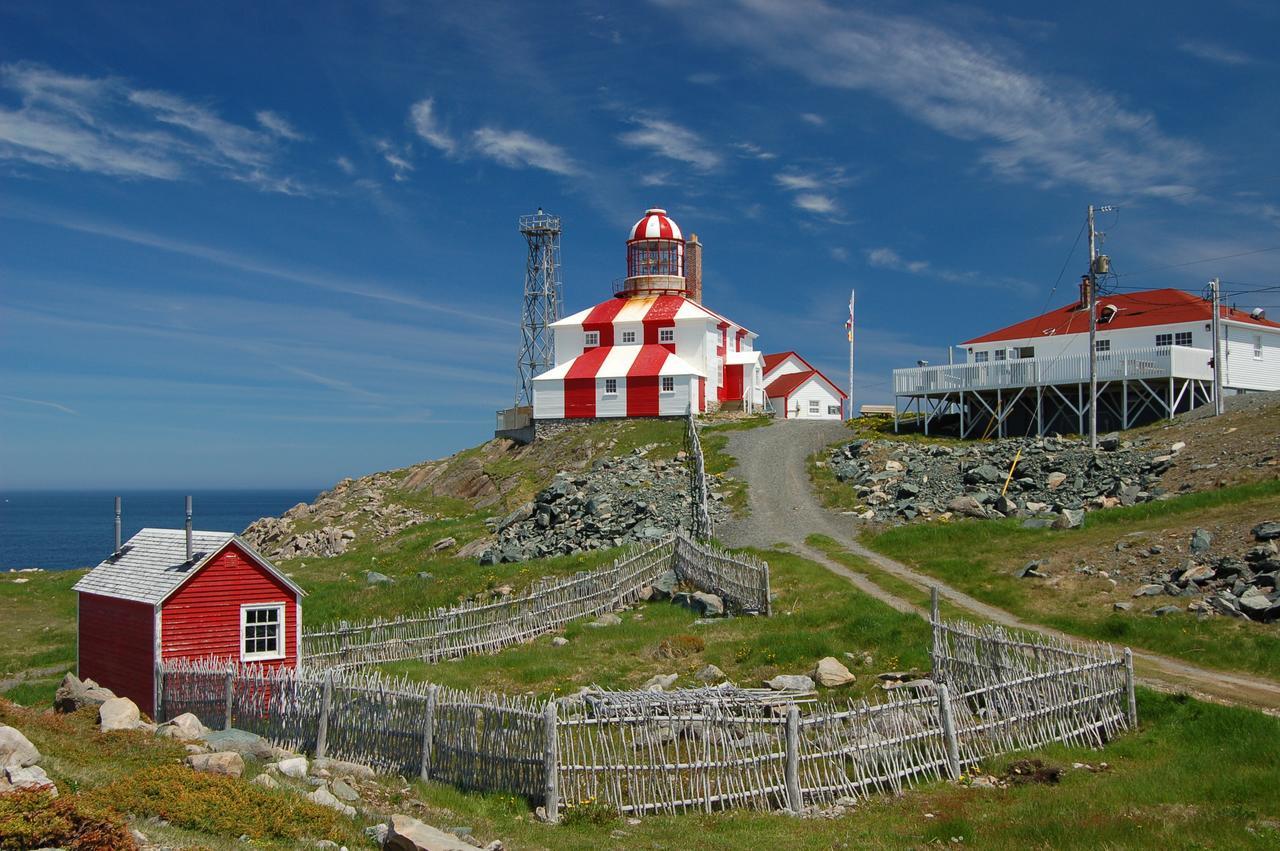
1056,480
355,508
618,501
1231,585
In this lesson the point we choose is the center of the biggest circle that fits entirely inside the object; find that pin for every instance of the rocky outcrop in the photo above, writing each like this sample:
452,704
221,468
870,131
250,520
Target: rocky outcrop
76,694
118,713
16,750
405,833
831,673
224,762
1055,478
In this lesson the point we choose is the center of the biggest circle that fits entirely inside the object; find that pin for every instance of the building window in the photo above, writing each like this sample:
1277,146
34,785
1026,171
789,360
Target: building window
1164,339
833,410
666,335
611,387
1027,352
668,384
262,632
1102,345
628,336
1182,338
592,339
979,357
1000,354
1257,347
815,406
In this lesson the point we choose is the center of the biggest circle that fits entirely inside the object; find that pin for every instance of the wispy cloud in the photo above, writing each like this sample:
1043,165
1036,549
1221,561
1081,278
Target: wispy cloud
813,118
106,126
1211,52
395,157
797,182
348,167
518,149
670,140
823,205
278,125
754,151
885,257
422,115
41,403
812,192
1026,126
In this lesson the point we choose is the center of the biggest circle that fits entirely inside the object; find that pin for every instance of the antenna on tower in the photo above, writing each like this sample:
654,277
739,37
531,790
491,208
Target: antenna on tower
542,300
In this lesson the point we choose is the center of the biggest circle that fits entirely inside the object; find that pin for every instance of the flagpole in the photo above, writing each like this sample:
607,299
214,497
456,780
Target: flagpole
851,296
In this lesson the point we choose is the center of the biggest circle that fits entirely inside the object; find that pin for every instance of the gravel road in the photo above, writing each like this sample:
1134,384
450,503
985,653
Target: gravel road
783,509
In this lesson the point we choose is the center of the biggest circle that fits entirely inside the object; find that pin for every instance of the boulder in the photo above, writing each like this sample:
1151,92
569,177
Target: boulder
373,577
790,682
1268,531
339,768
405,833
266,781
1166,610
1148,590
660,682
186,727
606,619
1254,603
1069,518
559,641
709,674
1055,480
118,713
224,762
706,605
444,544
295,767
829,672
1201,540
325,798
239,741
1030,570
14,778
76,694
966,505
16,751
664,586
342,790
984,474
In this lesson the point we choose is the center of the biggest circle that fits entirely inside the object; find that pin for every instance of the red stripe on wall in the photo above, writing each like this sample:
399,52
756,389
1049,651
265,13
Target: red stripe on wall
643,380
742,332
580,382
661,314
702,394
722,352
601,319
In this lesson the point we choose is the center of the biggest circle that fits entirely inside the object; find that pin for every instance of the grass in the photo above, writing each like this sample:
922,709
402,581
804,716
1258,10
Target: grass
978,557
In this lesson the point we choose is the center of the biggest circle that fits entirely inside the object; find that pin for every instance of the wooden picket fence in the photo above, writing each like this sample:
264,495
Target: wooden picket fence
487,627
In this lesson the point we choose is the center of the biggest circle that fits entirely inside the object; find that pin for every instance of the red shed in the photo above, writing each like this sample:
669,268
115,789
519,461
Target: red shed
158,598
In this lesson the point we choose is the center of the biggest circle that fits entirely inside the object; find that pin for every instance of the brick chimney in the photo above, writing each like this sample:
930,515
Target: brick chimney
693,268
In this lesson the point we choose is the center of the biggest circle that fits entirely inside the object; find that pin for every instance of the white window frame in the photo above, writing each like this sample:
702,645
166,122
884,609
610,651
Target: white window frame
1101,346
591,339
1025,352
833,410
1257,347
628,336
1164,340
611,387
668,383
1001,354
979,357
815,406
667,335
1182,338
279,652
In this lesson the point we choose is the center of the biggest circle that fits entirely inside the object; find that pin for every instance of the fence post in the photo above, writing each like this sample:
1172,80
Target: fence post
551,764
933,604
429,733
231,690
795,800
949,732
158,709
322,728
1128,689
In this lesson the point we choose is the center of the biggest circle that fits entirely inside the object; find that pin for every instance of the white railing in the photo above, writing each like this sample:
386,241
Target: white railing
1155,362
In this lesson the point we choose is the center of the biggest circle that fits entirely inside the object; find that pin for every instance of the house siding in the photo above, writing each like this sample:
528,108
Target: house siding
202,619
1244,371
813,389
117,647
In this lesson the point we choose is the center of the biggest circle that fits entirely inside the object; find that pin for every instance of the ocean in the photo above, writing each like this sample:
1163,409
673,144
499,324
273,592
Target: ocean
62,530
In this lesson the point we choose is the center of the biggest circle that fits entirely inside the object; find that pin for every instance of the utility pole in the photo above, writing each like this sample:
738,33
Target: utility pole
1219,404
1093,336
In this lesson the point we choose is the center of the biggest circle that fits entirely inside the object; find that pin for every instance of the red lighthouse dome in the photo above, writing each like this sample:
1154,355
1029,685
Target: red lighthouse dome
655,257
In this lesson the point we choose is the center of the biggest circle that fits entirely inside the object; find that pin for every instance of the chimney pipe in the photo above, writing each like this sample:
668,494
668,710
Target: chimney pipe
1084,292
117,549
693,268
189,554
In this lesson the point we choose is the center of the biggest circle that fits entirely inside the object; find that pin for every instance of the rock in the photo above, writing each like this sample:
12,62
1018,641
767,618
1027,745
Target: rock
1069,518
1166,610
660,682
1037,523
1149,590
338,768
1201,539
706,605
75,694
266,781
405,833
559,641
295,767
1055,480
343,791
1268,531
665,585
1030,570
1254,603
186,727
239,741
325,798
966,505
1109,442
790,682
15,777
1178,447
984,474
118,713
16,750
709,674
444,544
1122,606
606,619
224,762
1197,573
830,673
373,577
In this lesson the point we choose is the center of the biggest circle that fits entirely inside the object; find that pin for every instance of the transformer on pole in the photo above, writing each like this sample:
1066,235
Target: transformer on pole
542,300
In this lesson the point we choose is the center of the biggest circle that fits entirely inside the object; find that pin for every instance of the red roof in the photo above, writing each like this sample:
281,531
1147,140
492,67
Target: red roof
770,361
784,385
1133,310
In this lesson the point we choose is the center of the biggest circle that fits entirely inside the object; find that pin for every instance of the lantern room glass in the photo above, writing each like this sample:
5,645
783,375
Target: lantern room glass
655,257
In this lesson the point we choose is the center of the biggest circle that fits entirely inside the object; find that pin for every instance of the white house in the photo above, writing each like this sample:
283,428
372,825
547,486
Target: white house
653,349
1155,358
797,390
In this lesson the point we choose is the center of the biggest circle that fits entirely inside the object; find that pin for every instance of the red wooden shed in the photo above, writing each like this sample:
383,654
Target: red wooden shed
160,598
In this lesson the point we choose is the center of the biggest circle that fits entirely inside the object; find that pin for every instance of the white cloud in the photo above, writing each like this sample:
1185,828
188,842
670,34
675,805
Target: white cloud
397,159
815,203
672,141
278,125
346,165
813,118
1211,52
517,149
105,126
41,403
427,125
1026,126
839,253
885,257
797,182
751,149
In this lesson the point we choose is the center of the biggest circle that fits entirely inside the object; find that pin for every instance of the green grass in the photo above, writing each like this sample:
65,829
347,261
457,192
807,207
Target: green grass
978,557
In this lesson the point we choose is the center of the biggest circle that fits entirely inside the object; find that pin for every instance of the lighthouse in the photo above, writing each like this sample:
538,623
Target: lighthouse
653,349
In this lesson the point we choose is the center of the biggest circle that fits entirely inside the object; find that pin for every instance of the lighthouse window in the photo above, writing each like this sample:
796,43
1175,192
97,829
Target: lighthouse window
260,631
592,339
668,384
628,336
611,387
666,335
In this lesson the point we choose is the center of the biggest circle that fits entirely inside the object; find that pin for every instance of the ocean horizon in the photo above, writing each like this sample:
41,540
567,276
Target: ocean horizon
69,529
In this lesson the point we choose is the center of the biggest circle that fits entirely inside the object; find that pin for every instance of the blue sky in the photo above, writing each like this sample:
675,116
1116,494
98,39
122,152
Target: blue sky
248,246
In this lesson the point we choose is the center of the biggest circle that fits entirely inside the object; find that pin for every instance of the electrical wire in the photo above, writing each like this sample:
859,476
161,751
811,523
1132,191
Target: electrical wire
1195,262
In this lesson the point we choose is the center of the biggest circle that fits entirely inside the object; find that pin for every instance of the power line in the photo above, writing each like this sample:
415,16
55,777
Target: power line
1194,262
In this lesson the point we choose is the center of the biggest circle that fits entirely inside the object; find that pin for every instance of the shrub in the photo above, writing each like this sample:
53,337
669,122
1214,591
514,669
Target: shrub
35,819
680,646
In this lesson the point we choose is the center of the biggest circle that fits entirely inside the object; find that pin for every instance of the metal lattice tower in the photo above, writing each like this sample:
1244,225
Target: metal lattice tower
542,300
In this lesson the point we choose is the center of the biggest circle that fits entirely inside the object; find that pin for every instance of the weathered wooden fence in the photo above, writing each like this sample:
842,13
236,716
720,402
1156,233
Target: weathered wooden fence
552,602
700,517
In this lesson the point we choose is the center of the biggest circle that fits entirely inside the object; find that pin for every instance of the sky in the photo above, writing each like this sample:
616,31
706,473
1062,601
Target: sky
272,245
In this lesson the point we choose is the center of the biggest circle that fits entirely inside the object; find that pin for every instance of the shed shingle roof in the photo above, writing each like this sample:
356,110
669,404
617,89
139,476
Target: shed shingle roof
153,564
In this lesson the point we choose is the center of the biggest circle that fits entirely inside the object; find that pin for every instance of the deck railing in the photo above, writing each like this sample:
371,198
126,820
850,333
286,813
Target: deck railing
1154,362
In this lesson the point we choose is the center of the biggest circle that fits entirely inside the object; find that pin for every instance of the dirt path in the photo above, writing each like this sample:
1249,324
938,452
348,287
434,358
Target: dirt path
783,509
